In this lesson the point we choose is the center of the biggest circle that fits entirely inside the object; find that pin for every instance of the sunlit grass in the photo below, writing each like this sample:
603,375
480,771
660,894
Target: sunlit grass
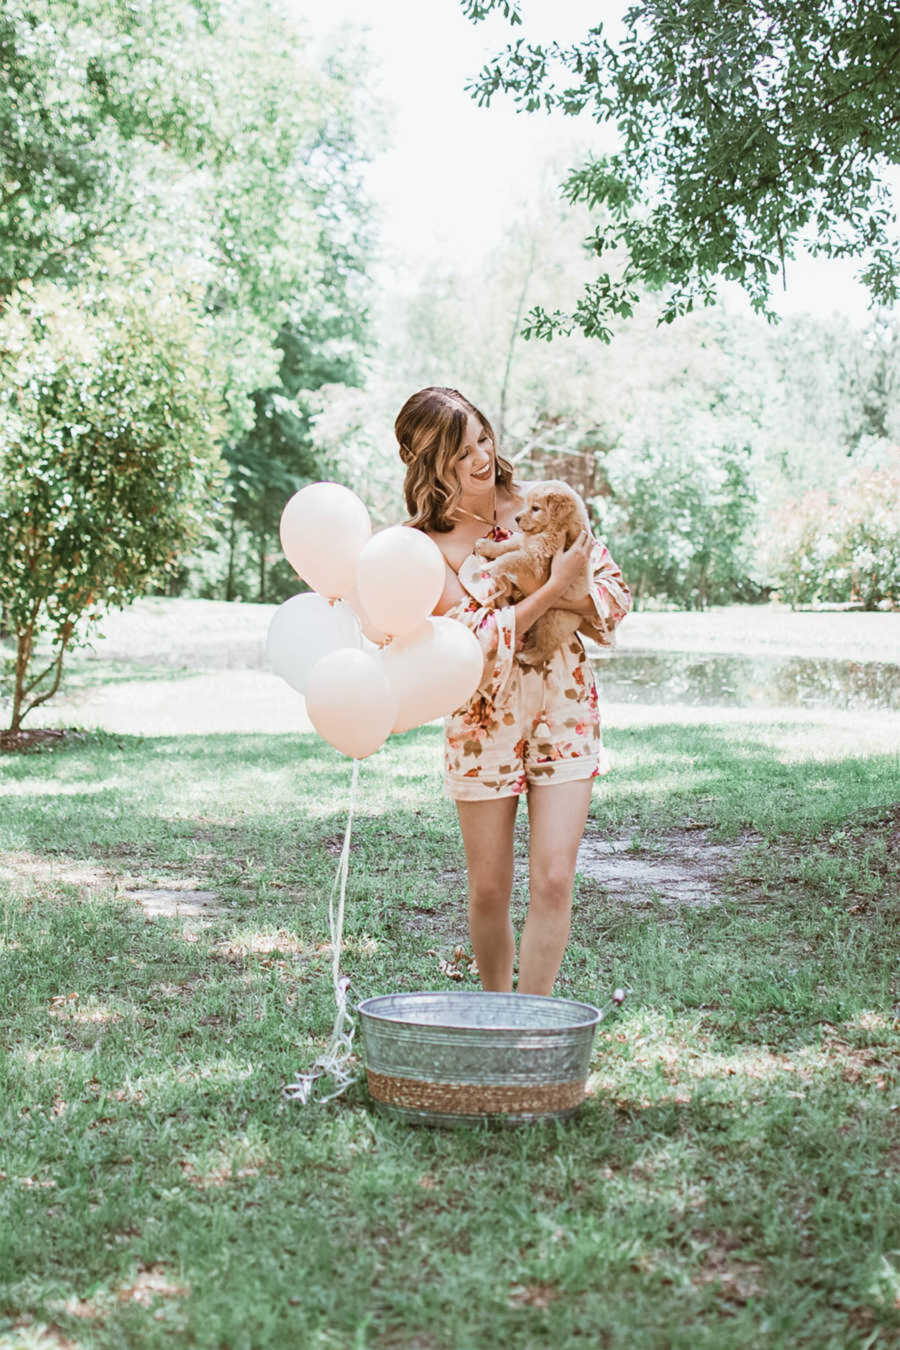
730,1181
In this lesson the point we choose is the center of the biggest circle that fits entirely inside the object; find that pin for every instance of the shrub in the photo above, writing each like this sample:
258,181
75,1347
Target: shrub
677,517
108,426
844,546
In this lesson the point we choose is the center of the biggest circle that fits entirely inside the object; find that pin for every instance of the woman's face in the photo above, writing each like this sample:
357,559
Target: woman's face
474,464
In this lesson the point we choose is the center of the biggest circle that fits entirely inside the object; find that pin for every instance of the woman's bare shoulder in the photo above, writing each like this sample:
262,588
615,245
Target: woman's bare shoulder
443,539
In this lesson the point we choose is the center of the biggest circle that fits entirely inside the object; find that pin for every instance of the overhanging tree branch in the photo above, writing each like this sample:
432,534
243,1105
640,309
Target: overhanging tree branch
739,125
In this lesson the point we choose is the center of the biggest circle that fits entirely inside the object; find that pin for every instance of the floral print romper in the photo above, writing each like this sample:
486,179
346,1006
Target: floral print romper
528,725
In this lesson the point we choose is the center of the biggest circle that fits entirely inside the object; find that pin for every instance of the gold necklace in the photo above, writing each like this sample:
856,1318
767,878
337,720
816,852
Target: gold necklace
476,516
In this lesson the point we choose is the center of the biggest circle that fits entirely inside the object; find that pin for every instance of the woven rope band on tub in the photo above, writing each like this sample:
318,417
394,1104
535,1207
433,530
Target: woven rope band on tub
474,1098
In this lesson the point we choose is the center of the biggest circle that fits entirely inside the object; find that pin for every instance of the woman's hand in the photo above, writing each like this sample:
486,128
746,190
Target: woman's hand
569,564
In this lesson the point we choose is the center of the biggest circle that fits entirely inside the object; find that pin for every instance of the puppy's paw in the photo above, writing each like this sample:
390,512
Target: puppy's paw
485,548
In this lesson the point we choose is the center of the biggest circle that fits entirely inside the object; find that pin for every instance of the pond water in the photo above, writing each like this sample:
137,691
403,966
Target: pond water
695,679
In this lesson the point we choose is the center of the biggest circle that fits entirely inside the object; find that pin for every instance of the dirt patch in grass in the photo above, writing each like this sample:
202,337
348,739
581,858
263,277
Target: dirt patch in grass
738,1280
687,867
28,740
146,1287
176,903
539,1295
181,898
678,869
33,867
682,867
40,1336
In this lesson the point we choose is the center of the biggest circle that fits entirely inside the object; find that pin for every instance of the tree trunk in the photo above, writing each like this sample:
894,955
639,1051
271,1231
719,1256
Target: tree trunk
232,548
261,555
24,652
504,390
24,642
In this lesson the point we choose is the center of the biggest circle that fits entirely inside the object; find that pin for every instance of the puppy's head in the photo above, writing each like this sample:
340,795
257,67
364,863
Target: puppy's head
552,505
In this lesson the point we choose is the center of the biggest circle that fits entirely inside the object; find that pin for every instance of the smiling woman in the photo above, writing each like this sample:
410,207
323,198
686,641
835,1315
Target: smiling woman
448,447
527,729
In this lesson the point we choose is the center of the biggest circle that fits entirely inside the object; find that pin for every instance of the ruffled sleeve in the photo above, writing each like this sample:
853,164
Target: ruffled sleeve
611,596
493,625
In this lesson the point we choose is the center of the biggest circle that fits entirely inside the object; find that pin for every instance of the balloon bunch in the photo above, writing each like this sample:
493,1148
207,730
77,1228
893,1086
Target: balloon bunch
361,646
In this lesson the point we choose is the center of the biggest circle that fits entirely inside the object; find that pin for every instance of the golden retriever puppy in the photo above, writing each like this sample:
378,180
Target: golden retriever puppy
552,517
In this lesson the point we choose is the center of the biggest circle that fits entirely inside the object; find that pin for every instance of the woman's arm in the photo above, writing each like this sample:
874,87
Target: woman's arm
609,595
499,629
585,607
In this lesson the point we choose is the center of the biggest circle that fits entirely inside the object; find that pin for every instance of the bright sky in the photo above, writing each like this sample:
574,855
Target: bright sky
446,186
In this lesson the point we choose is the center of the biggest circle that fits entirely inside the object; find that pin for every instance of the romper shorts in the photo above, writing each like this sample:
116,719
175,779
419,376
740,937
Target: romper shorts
542,727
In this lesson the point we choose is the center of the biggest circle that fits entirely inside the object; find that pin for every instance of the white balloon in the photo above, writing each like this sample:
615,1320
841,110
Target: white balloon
432,671
400,577
370,631
303,630
323,529
350,702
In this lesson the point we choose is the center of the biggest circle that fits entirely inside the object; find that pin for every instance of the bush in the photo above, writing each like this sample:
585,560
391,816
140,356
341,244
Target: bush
109,419
677,517
844,546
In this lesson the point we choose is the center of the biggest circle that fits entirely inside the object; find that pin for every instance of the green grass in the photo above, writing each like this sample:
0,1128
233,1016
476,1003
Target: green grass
731,1181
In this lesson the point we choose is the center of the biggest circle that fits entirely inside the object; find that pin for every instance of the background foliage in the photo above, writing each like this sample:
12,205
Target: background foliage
844,543
213,147
743,130
108,426
195,160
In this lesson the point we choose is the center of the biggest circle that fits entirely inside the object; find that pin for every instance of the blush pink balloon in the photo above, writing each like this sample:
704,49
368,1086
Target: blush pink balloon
323,529
303,630
350,702
400,577
432,671
369,630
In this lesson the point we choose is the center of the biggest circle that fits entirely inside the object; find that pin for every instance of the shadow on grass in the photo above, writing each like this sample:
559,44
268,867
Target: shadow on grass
103,790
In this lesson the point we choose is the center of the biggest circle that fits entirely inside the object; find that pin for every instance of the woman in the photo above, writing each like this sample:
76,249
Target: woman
526,729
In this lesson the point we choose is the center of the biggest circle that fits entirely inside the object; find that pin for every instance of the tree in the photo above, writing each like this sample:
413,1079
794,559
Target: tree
87,91
209,138
191,130
109,416
678,511
321,342
753,416
745,130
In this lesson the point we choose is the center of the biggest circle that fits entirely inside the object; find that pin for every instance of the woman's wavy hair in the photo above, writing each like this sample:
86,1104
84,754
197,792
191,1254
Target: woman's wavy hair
430,428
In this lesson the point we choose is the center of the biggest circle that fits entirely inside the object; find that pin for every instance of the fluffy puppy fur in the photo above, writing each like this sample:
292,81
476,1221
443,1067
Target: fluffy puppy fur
552,517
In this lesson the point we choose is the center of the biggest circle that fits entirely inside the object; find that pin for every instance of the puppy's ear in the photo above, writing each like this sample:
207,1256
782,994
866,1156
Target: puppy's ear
575,516
560,502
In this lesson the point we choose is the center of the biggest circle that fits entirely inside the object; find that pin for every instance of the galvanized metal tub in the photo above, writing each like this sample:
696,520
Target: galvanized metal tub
450,1057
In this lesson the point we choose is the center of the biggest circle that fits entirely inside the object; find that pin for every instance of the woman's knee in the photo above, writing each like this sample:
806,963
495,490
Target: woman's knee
551,884
489,897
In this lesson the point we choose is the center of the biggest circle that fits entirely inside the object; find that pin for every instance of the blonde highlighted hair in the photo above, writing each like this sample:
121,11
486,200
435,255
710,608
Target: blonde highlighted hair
430,429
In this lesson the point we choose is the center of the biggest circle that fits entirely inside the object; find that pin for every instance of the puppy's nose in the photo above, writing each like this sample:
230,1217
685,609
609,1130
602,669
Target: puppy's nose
517,518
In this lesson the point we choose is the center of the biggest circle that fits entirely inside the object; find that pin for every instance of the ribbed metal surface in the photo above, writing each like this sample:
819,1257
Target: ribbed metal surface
465,1054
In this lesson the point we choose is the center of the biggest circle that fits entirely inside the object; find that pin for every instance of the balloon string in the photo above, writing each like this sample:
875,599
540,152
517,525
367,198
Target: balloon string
335,1063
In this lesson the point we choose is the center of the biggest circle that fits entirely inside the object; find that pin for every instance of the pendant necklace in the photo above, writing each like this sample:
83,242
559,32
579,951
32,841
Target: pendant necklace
475,516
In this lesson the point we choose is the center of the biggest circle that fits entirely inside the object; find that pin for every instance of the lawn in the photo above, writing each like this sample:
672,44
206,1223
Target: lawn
731,1181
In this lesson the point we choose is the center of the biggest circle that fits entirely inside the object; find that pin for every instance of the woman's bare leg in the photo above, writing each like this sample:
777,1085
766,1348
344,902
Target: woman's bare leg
557,813
487,831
